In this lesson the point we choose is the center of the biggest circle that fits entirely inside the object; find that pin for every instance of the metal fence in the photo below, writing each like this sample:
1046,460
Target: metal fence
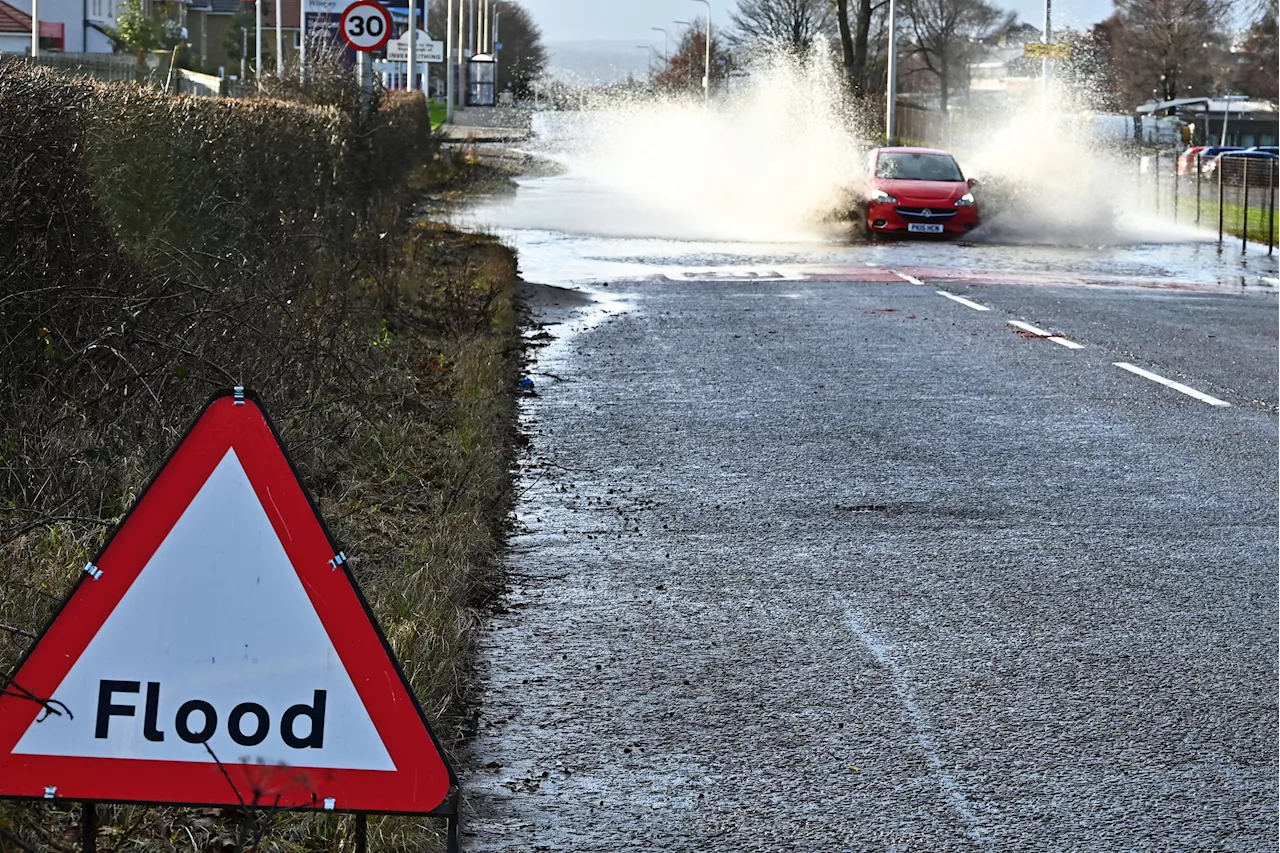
156,71
1235,196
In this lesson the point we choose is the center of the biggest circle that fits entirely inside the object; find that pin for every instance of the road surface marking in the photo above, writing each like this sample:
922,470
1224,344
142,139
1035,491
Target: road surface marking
1177,386
906,277
904,684
975,306
1041,333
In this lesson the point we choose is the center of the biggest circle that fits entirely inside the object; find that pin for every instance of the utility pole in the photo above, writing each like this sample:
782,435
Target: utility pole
257,47
448,62
411,84
706,60
1046,64
891,84
279,39
302,42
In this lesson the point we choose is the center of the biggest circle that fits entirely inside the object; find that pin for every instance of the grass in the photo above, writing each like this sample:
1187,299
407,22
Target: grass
1233,219
438,113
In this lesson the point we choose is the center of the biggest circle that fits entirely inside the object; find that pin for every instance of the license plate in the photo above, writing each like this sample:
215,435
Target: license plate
924,228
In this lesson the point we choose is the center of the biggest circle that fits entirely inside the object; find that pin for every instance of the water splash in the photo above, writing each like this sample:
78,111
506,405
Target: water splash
771,162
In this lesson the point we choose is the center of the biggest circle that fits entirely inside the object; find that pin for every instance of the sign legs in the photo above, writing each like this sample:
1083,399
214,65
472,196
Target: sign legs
89,827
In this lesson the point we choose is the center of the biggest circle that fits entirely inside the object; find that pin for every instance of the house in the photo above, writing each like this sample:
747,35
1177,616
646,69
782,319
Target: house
63,26
15,30
215,21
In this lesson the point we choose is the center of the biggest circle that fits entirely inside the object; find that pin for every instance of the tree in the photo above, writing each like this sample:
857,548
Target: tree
858,47
1166,49
791,26
522,58
1256,74
684,68
945,36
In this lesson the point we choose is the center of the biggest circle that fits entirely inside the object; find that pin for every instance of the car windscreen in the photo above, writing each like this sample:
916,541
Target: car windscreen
912,166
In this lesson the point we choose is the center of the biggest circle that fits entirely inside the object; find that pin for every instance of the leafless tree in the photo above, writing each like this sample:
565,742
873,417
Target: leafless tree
856,42
789,25
1165,49
1256,75
945,35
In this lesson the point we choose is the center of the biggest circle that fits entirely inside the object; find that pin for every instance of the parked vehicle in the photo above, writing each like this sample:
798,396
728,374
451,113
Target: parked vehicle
918,191
1206,152
1187,159
1259,167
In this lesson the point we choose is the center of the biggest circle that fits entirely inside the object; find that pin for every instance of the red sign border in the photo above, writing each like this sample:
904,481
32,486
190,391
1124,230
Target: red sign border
270,787
386,35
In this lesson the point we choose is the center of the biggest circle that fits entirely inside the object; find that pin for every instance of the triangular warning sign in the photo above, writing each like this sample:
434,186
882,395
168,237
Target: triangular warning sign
219,652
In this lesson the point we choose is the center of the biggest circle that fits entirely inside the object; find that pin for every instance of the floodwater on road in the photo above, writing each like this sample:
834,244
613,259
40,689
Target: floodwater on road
596,222
809,557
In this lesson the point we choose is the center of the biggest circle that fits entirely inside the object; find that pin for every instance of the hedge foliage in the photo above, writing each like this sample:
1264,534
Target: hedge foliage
155,248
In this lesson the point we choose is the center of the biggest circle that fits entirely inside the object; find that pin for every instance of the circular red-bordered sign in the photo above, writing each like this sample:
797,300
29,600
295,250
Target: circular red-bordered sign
366,25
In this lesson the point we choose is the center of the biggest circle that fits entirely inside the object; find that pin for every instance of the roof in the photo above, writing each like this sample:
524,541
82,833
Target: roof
1232,103
13,20
291,11
899,149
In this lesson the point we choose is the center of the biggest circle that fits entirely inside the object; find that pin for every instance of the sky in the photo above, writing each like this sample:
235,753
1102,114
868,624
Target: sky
606,39
630,20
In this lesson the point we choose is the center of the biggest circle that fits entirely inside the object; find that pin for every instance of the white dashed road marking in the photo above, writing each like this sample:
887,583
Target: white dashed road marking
1177,386
906,277
975,306
1038,332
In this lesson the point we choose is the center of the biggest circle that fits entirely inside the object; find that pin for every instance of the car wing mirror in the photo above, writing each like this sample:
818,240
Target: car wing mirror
972,182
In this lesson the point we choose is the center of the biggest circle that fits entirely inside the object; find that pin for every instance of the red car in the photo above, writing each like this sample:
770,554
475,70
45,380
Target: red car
918,191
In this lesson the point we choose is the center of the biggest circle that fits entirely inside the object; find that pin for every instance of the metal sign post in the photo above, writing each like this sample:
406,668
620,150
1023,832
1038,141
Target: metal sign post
448,63
412,68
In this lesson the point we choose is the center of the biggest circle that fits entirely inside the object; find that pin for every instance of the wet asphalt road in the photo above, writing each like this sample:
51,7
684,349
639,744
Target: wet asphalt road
852,566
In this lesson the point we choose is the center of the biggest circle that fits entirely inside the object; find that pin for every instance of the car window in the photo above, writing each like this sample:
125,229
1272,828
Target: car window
911,166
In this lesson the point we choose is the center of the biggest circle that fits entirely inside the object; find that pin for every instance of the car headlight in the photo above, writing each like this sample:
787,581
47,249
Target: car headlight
965,200
882,197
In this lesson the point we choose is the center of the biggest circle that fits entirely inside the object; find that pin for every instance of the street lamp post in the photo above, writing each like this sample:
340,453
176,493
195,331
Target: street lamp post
1046,66
648,55
687,24
666,55
891,84
706,61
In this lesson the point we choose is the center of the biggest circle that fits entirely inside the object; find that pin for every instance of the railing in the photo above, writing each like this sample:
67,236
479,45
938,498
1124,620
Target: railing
121,68
1236,196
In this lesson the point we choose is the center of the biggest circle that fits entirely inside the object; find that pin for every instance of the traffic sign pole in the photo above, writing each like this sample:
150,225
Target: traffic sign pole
412,66
448,63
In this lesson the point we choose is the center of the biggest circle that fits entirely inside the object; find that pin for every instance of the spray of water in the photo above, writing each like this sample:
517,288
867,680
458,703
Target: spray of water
768,163
781,161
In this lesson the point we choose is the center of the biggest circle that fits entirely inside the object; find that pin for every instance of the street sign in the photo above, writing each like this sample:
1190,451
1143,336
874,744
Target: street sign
1039,50
425,50
219,652
365,25
328,7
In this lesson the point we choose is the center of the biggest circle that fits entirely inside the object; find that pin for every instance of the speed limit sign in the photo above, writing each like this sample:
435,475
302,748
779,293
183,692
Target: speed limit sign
366,25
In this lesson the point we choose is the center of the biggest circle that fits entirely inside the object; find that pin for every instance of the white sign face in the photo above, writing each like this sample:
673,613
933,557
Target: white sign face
365,25
425,50
216,644
327,7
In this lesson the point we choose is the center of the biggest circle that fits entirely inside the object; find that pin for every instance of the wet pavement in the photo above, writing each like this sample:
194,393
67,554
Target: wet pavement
814,557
